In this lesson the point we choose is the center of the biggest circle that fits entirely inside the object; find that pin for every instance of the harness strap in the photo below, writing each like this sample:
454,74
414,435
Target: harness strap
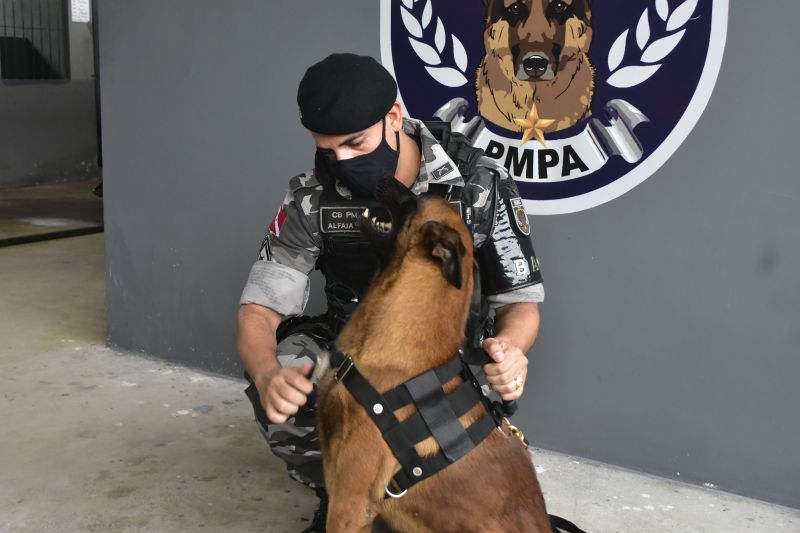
399,396
475,356
479,357
462,400
378,410
437,415
430,465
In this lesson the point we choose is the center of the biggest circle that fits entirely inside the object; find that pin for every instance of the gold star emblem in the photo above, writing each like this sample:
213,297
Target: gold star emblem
533,126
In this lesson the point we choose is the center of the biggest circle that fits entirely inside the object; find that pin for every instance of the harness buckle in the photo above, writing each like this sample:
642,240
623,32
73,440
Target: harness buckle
344,368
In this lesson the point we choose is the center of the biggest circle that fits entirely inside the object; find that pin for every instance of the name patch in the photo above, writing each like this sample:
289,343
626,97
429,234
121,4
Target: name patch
339,219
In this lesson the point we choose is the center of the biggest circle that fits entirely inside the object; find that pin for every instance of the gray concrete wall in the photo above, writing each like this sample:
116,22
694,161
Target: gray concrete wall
669,335
48,128
47,132
200,136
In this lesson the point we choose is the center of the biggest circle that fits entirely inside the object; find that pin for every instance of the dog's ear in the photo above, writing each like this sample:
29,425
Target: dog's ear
445,246
583,9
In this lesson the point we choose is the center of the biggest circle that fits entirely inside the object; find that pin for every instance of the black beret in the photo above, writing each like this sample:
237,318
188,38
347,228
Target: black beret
345,93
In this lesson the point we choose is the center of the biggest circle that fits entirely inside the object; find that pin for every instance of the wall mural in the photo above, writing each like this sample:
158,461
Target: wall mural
581,100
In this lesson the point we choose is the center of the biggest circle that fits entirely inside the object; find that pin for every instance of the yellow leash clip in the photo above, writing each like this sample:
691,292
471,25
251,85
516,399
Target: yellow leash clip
516,432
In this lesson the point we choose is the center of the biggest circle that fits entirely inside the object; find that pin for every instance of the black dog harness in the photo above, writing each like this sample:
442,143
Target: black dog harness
437,413
437,416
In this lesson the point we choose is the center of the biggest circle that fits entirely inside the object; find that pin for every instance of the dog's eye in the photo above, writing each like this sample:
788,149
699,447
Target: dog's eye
559,6
517,9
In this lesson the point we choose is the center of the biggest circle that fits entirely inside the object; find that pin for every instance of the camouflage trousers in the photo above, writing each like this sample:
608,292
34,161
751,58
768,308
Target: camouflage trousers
296,441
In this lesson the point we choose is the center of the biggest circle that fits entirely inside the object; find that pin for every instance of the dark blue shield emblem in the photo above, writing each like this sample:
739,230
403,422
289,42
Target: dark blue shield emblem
581,101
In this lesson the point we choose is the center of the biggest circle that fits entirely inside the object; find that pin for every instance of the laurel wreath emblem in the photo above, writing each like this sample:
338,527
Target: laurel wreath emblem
652,51
430,45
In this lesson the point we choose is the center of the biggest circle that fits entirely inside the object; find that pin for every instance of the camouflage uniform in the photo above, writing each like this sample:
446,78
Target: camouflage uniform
295,441
279,279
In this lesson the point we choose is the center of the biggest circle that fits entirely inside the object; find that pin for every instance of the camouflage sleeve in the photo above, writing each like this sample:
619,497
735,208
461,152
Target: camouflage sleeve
279,279
509,267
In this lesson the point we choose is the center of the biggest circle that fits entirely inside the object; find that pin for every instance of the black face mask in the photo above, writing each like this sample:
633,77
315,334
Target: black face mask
361,174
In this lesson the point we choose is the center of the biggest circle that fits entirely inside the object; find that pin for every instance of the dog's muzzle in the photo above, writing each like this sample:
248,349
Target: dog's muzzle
535,66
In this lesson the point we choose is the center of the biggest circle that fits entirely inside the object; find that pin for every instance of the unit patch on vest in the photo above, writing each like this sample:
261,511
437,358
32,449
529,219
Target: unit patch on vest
456,205
520,216
339,219
265,254
443,170
535,264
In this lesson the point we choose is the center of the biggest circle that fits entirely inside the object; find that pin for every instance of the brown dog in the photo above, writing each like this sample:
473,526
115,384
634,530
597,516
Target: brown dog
536,52
412,320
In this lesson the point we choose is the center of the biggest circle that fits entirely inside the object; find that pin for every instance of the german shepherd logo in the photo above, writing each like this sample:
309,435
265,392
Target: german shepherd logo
536,53
580,101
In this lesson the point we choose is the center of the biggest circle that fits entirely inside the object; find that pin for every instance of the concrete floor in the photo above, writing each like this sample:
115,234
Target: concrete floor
97,440
47,209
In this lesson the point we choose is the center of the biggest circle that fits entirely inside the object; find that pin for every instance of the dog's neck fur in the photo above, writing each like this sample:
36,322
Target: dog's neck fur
411,330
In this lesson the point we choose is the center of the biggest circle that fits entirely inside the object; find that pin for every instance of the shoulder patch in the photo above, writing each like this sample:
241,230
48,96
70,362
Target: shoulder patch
520,216
277,222
441,171
265,254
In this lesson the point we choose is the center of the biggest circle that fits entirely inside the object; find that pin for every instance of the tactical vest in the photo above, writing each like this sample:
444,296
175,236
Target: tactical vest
350,263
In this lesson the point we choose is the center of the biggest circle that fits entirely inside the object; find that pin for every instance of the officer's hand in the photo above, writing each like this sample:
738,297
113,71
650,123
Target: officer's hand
284,390
510,368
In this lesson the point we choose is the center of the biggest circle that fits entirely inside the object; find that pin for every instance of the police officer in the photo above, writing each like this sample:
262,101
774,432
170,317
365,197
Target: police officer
349,105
